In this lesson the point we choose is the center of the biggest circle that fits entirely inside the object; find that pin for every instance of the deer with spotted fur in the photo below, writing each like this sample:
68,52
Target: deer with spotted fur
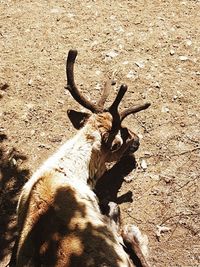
59,220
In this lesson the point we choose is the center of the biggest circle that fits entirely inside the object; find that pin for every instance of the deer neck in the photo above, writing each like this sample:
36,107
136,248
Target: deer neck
80,156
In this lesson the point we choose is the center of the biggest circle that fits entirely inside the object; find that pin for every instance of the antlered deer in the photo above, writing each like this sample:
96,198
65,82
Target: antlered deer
59,220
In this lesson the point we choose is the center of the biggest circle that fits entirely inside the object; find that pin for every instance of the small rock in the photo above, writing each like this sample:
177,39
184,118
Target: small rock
140,63
165,110
172,52
188,42
119,29
30,82
143,164
182,124
112,54
130,75
128,179
161,229
129,209
155,192
183,58
157,85
13,162
33,132
147,153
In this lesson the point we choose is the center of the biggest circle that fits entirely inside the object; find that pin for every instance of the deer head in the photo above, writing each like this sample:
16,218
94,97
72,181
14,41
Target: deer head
115,137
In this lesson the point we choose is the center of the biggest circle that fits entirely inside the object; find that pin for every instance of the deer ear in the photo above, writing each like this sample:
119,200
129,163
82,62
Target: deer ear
77,118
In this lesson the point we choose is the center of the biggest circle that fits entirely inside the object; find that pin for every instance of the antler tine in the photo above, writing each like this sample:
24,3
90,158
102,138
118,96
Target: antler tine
120,94
105,93
71,86
133,110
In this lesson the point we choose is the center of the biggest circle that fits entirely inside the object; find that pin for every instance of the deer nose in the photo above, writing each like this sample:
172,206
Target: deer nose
136,141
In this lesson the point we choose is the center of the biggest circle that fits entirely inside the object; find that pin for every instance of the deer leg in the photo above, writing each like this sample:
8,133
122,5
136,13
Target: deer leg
136,245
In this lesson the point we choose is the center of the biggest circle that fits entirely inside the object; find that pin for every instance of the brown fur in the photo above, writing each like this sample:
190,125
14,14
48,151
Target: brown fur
59,230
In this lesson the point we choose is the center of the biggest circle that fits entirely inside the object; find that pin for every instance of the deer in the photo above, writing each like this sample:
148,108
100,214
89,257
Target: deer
58,215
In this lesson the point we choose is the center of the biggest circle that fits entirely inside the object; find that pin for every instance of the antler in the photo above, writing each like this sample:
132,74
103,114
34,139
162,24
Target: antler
105,93
99,107
133,110
71,86
122,90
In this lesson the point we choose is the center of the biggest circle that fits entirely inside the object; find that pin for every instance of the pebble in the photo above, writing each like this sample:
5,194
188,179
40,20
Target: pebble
128,179
165,109
33,132
143,164
111,54
155,192
183,58
157,85
119,29
13,162
182,124
188,42
30,82
172,52
130,75
140,63
161,229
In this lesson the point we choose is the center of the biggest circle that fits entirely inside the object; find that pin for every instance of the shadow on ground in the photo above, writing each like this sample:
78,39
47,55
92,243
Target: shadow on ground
107,189
12,178
108,186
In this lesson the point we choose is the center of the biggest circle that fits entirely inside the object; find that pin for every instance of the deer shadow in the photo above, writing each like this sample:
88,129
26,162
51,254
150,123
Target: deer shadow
109,184
107,189
12,178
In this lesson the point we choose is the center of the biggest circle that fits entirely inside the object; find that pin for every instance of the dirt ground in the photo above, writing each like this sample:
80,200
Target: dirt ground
153,47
